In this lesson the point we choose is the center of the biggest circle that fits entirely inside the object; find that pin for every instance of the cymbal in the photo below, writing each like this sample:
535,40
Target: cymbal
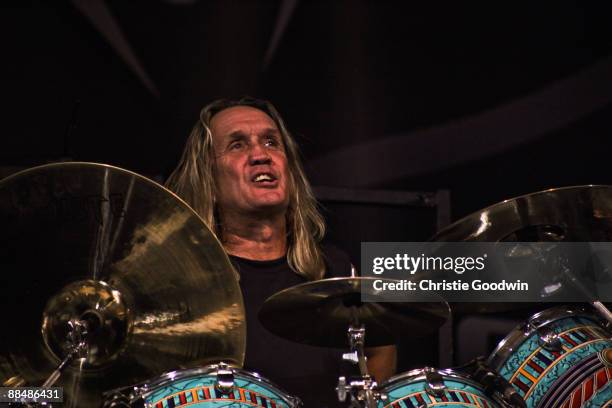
469,308
96,243
319,313
570,214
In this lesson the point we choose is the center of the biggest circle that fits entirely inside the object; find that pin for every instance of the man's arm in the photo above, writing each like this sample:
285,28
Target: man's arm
382,362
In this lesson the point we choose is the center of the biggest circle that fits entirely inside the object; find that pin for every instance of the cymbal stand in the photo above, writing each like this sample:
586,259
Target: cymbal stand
567,273
76,346
603,310
361,388
599,306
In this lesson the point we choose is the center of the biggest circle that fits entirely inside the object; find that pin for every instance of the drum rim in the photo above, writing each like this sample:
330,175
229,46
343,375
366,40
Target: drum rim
418,374
146,388
527,328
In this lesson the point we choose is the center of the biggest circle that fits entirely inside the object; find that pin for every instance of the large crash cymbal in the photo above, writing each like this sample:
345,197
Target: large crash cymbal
319,313
570,214
95,243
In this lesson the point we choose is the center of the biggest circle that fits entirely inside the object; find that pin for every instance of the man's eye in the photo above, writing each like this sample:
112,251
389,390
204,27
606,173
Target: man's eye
271,142
236,145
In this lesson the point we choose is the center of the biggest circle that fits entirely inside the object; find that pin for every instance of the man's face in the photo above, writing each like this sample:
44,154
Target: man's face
250,162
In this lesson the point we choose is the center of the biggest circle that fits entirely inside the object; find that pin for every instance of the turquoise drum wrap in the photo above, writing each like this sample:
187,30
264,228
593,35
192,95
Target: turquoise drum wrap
214,386
562,357
415,389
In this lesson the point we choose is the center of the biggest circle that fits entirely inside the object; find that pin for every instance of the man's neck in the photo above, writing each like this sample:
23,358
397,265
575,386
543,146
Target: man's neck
254,238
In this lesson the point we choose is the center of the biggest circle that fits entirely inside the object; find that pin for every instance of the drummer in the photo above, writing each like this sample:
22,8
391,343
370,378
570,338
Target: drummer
240,170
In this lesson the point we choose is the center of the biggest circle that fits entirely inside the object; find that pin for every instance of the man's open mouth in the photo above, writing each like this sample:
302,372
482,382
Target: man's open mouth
263,178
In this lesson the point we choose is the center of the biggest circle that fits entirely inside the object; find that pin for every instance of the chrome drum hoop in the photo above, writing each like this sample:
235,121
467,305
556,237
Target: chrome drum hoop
558,355
138,394
432,387
525,330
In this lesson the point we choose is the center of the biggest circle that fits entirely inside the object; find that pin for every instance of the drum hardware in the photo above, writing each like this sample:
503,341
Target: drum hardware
435,382
361,388
547,338
494,384
125,397
76,346
90,314
356,337
363,391
117,400
604,312
331,313
566,275
225,379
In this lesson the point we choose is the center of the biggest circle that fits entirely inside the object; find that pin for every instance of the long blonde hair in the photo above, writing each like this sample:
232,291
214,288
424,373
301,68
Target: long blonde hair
193,180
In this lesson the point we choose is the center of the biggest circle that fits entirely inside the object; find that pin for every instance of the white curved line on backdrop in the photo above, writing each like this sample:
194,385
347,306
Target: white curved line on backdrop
470,138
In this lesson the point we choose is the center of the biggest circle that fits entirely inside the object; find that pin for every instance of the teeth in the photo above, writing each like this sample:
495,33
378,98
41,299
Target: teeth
263,177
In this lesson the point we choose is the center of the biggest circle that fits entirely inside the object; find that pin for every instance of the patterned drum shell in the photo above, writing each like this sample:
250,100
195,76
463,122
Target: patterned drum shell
575,373
410,390
199,387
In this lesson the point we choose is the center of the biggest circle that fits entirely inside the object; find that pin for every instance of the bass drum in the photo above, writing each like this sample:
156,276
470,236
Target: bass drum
212,386
562,357
429,387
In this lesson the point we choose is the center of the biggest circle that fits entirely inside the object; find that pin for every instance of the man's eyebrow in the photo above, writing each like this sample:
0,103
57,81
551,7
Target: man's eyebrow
237,134
271,131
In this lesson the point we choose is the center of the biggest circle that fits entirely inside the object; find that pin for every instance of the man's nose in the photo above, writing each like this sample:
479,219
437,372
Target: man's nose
259,155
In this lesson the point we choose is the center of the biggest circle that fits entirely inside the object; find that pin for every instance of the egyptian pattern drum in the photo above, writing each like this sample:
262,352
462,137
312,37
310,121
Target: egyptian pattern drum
413,390
561,358
208,387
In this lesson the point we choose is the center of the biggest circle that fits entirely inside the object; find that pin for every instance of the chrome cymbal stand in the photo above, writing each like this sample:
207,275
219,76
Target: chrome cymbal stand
362,389
76,347
567,275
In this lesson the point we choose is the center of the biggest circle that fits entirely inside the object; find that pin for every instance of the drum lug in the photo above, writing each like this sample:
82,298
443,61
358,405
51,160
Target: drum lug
225,378
435,382
548,339
116,400
128,397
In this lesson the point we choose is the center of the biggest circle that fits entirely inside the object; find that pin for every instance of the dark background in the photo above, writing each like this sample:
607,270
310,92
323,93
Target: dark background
488,101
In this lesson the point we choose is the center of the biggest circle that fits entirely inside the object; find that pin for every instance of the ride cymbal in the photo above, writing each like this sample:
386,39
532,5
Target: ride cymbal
570,214
319,313
108,248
